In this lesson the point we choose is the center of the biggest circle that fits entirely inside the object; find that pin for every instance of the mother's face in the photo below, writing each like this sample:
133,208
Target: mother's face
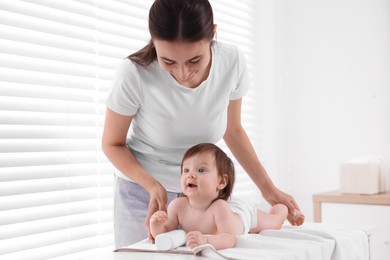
189,63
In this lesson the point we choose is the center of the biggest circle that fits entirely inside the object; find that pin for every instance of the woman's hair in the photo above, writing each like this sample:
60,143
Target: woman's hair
176,20
223,163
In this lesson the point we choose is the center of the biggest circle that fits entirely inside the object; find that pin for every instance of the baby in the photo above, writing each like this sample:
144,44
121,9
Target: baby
207,179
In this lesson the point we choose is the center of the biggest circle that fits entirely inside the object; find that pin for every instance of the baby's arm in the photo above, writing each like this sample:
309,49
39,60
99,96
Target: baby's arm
225,237
158,223
218,241
162,222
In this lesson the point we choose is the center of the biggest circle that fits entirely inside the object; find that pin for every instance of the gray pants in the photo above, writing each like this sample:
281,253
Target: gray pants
130,208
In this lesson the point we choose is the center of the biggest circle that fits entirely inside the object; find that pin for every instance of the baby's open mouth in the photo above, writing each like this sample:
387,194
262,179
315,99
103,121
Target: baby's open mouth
191,185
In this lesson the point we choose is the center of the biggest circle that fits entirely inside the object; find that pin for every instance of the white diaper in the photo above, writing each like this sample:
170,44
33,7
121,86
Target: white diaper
247,210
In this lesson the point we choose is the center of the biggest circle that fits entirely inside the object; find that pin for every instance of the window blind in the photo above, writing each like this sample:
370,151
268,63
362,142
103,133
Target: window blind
57,61
236,24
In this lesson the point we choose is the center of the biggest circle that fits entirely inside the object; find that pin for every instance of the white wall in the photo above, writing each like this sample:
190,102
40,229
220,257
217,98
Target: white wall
330,92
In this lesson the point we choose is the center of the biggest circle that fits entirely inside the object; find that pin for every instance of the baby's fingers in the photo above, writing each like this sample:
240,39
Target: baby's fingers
159,216
195,238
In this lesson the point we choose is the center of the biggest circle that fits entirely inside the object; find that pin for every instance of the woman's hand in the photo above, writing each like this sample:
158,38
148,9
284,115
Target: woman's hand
157,202
274,196
195,238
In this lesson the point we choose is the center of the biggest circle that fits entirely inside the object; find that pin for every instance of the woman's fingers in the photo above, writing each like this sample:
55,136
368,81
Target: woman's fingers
151,209
295,217
157,201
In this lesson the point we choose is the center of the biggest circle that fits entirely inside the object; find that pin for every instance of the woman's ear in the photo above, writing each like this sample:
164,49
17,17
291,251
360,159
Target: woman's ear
215,31
223,182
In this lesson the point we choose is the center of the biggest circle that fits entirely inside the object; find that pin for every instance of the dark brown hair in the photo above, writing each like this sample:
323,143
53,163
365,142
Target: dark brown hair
223,163
176,20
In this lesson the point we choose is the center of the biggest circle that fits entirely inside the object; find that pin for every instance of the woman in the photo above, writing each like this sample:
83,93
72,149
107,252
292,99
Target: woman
181,89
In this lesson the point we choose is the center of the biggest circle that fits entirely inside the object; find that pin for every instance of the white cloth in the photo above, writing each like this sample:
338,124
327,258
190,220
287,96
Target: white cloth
307,242
170,118
247,210
351,243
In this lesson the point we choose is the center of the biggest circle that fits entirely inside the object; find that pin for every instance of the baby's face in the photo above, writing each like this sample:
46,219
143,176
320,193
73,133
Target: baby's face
199,177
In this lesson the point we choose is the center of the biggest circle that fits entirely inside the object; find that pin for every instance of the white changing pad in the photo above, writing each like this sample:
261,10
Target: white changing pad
307,242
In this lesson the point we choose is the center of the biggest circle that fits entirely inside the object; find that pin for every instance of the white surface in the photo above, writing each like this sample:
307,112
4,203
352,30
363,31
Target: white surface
332,91
144,256
311,241
377,216
380,244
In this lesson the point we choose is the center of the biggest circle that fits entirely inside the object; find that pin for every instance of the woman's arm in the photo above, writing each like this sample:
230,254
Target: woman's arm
241,147
114,146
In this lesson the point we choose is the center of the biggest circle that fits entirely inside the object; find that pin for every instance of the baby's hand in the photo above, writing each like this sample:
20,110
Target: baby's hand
158,218
195,238
156,223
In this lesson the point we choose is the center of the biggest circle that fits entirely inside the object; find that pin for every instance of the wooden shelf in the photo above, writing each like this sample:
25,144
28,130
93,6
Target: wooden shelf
337,197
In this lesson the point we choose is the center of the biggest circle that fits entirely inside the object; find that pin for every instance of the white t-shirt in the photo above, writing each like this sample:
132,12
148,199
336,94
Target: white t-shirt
170,118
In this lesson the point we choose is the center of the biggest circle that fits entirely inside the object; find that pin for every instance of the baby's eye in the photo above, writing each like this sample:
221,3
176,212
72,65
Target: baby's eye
185,170
201,170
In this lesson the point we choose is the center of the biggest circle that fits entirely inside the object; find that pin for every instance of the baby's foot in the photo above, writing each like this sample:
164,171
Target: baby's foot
297,218
280,210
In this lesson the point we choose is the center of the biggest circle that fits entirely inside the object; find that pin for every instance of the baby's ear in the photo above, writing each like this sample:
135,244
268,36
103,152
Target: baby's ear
223,181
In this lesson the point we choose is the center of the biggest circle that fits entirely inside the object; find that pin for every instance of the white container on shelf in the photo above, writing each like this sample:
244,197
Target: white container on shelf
362,176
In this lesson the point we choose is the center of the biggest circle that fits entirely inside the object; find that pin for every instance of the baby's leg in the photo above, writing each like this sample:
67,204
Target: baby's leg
272,220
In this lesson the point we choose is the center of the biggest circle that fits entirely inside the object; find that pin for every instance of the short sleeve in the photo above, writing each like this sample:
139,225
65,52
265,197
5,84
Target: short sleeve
243,83
126,92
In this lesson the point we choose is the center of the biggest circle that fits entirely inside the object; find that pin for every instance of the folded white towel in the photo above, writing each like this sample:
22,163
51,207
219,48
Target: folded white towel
171,239
307,242
351,243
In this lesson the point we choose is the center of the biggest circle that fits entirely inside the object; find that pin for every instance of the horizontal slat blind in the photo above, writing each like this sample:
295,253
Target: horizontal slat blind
236,24
57,61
